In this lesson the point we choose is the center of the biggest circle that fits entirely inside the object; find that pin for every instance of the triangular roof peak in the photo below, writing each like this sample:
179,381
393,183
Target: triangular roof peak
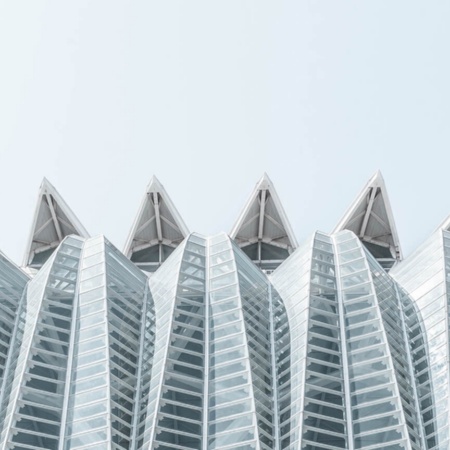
53,220
263,230
157,229
154,185
370,218
264,182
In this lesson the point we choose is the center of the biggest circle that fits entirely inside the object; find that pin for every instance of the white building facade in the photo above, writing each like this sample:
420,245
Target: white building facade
240,341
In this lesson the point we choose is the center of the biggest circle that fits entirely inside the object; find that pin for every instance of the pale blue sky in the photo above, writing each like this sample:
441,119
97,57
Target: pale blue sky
98,96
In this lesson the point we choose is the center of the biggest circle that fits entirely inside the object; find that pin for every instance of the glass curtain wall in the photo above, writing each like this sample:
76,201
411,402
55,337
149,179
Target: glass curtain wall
424,275
106,334
212,382
353,382
72,374
12,285
313,412
210,353
32,398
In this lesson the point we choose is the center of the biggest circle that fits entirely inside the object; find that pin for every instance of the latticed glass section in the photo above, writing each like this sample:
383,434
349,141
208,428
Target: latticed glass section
175,402
383,401
230,400
240,389
352,380
106,338
392,303
424,275
74,358
211,383
208,352
89,382
324,415
291,350
313,413
281,360
420,360
240,342
127,293
12,285
33,397
153,348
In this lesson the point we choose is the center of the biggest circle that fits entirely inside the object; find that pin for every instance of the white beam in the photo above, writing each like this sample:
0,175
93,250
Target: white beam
41,228
55,219
368,211
375,241
262,207
145,224
157,215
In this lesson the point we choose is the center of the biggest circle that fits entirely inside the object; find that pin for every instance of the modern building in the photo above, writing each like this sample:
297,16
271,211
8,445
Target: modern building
237,342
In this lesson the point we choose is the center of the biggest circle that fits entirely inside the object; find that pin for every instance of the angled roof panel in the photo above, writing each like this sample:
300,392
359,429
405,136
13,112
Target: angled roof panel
158,227
53,221
370,218
264,222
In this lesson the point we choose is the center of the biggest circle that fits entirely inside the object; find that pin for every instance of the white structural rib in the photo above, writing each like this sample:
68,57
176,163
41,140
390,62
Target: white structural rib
157,229
370,217
445,225
263,221
53,220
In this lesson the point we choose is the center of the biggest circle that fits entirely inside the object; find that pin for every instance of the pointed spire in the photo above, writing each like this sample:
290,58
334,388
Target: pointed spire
263,230
53,221
370,218
157,230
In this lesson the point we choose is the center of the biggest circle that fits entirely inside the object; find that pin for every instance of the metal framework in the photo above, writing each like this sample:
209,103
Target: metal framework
370,218
157,230
321,346
263,230
53,220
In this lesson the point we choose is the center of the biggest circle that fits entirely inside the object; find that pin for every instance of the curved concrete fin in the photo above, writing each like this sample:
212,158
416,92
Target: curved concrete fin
370,218
157,229
263,230
53,220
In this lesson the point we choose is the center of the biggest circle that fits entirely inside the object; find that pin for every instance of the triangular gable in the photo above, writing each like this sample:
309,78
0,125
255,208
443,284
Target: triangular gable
262,229
370,218
157,230
53,221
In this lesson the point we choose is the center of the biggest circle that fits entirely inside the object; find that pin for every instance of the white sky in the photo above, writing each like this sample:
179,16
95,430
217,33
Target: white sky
99,95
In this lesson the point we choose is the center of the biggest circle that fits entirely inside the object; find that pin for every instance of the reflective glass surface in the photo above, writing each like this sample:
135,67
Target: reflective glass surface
210,351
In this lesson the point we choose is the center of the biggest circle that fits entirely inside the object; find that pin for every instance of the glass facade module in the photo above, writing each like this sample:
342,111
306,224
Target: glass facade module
351,361
12,285
240,342
212,382
32,399
425,276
